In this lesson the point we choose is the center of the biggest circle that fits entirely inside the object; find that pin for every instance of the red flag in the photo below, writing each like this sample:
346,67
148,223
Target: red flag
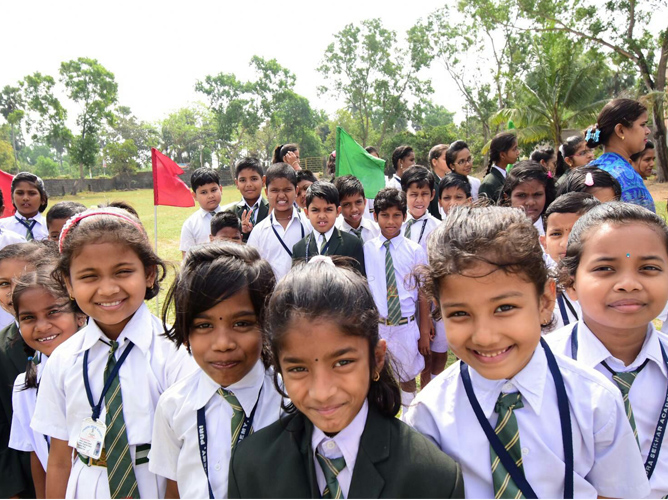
6,188
168,189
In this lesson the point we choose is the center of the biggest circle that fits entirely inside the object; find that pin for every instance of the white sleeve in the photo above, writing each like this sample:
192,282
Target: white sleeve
19,438
187,237
165,446
50,416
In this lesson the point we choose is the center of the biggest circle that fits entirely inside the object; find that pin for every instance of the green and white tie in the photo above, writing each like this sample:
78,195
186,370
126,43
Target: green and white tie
393,303
624,380
409,224
509,435
120,474
238,414
322,245
331,467
252,213
358,232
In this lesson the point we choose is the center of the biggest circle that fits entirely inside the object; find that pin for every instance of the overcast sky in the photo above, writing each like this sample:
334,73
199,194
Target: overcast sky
158,50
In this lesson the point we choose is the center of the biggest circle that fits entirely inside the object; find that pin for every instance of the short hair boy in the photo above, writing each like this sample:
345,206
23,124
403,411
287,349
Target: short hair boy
226,226
207,192
58,215
455,190
353,218
418,184
253,208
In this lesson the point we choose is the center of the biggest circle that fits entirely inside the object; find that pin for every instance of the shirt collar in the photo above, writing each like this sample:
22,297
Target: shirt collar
246,390
203,213
364,224
244,204
530,382
503,171
39,218
394,242
348,440
425,216
397,178
328,235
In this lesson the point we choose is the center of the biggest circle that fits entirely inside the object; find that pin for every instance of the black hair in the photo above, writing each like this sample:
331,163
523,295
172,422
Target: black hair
36,252
576,180
281,150
225,219
542,153
203,176
388,198
637,156
64,210
399,154
567,149
123,205
616,213
323,190
418,175
452,151
528,170
37,182
209,275
501,143
617,111
306,175
281,171
249,163
348,185
571,203
343,298
454,179
371,150
436,152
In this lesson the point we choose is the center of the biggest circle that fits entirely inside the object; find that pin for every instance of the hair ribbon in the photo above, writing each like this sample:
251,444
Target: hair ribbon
589,180
73,221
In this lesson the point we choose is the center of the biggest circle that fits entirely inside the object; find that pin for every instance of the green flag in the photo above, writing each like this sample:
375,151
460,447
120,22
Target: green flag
352,159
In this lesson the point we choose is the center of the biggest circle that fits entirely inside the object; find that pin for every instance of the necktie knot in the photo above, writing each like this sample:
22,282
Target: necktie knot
357,232
113,346
509,401
386,244
409,224
231,399
331,468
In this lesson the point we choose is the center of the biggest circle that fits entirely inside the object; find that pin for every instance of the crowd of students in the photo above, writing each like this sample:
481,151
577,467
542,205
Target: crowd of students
299,327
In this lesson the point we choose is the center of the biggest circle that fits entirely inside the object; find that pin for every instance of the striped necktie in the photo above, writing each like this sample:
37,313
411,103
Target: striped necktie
393,303
331,467
509,435
252,211
120,474
624,380
238,415
358,232
323,243
409,224
28,224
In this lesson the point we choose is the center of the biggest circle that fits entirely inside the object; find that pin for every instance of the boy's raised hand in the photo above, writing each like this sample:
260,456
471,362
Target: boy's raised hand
246,224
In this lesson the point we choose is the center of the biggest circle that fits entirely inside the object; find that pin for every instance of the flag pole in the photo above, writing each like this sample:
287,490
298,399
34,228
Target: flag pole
155,231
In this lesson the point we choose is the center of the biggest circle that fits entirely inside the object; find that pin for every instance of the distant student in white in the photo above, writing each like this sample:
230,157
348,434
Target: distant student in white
30,199
275,236
218,299
47,318
353,217
207,192
617,266
521,421
418,184
99,389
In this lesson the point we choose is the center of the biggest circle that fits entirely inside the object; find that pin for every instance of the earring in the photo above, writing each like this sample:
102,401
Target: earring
71,298
376,377
622,138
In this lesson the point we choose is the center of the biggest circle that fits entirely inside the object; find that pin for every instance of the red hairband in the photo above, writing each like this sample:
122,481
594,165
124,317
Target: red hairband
79,217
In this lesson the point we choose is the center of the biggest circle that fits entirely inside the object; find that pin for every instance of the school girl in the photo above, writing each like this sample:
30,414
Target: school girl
30,199
459,160
592,180
553,428
340,439
47,318
617,266
529,186
100,388
503,151
573,153
218,300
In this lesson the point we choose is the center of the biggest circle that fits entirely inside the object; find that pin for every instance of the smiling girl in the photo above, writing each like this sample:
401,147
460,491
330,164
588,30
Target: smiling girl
30,200
459,160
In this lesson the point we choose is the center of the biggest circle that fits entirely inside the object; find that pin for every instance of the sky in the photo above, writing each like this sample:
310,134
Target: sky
158,50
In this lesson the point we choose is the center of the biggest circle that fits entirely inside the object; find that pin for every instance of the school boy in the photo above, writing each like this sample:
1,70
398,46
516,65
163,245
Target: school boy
58,214
207,191
249,180
226,226
353,217
322,208
390,259
275,236
454,190
418,184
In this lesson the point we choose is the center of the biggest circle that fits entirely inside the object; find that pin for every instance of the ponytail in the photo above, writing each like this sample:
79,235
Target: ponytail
31,368
500,144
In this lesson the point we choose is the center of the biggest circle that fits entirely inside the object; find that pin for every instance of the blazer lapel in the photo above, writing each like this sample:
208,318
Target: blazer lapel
263,211
312,246
336,242
307,453
367,482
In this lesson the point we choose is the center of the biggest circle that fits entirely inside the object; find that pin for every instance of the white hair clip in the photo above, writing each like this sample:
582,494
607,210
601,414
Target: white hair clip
322,258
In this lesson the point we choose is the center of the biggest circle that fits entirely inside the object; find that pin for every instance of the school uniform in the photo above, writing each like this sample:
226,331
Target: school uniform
402,339
566,311
475,186
393,181
336,242
18,224
15,475
492,185
647,394
9,237
259,211
275,244
434,205
539,226
197,228
23,438
369,228
606,460
385,459
439,343
175,449
152,366
420,228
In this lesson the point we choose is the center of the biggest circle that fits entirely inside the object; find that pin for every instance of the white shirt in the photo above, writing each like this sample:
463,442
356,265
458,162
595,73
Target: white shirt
572,318
197,229
475,186
370,229
153,365
269,245
39,230
421,228
175,450
394,182
539,226
502,170
345,444
319,237
606,457
22,437
9,237
647,393
406,254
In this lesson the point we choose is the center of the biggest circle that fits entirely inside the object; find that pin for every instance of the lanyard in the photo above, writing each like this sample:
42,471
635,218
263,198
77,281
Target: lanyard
246,428
502,453
655,447
424,224
563,303
97,408
271,221
325,248
27,223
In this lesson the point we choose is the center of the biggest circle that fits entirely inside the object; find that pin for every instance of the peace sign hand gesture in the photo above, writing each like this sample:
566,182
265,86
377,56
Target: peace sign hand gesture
246,224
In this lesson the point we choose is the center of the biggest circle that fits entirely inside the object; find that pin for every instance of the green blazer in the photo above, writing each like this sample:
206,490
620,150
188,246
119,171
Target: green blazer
239,207
15,475
342,243
492,185
433,204
393,461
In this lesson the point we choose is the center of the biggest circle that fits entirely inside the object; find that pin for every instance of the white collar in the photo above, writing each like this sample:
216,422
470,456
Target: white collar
502,170
246,390
203,213
364,224
397,178
327,235
243,203
348,439
394,242
424,217
295,215
38,218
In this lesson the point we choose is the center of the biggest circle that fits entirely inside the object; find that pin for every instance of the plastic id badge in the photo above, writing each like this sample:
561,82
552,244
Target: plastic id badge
91,438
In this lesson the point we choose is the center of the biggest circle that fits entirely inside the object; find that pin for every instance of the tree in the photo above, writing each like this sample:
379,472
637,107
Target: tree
45,167
7,158
94,88
12,109
121,157
127,127
376,77
186,133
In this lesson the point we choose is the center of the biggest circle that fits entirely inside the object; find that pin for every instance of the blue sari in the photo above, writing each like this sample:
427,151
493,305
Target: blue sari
633,187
